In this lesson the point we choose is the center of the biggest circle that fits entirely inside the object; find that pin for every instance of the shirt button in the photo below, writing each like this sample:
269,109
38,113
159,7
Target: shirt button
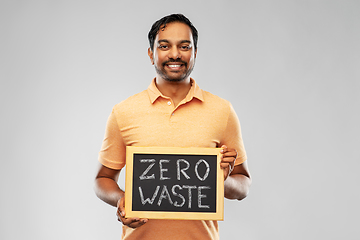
169,103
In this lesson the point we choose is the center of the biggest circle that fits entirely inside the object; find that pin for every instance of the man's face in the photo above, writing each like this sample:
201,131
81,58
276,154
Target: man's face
173,54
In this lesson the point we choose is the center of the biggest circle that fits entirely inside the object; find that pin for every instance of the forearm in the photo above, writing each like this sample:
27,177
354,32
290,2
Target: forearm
108,190
237,186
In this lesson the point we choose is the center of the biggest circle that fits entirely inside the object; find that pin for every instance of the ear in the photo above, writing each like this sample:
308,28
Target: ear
195,53
151,55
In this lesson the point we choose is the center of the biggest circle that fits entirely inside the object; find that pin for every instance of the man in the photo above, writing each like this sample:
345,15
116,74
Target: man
172,112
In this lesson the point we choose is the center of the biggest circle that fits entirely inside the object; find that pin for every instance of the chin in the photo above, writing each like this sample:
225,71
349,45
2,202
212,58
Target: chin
174,79
180,76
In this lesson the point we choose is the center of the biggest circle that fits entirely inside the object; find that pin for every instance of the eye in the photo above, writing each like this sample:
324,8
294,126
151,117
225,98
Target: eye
185,47
163,47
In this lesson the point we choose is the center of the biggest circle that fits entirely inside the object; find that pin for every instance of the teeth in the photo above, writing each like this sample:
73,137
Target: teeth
174,66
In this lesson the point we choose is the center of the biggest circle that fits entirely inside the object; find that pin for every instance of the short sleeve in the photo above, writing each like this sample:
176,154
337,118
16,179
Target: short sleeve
232,136
113,150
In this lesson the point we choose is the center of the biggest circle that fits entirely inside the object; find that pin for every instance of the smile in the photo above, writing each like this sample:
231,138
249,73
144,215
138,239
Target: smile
174,66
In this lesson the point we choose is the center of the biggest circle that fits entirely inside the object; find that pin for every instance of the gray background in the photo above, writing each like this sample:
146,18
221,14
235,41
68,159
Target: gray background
290,68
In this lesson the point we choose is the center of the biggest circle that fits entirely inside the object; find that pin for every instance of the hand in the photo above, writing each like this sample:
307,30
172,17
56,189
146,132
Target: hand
227,160
130,222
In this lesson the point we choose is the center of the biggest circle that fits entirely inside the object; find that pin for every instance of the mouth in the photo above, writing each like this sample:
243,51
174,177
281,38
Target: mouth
174,66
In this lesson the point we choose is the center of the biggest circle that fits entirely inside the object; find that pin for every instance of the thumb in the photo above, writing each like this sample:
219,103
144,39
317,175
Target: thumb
121,206
224,148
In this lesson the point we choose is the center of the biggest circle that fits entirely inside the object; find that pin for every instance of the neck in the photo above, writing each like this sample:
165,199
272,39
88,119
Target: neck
177,91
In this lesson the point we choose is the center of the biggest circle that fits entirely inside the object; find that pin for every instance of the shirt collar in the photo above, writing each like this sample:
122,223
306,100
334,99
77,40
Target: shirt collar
195,91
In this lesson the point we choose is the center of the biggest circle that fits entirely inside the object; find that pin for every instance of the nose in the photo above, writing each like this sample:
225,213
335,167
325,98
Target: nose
174,53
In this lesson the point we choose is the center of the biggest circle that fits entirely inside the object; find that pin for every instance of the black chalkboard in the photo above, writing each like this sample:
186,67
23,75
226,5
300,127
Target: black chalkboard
174,183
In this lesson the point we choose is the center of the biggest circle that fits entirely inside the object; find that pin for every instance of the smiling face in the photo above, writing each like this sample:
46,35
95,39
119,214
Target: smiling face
173,54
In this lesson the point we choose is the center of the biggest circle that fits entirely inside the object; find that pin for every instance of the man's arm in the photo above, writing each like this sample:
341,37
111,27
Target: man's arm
237,183
107,189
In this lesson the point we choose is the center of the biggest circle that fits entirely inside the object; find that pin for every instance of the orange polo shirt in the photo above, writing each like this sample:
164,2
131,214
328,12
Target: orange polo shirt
151,119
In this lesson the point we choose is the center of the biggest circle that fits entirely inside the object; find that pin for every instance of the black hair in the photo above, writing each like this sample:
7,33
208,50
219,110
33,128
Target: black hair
161,24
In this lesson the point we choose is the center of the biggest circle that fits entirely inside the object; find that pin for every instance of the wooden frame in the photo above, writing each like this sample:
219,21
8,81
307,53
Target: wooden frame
217,214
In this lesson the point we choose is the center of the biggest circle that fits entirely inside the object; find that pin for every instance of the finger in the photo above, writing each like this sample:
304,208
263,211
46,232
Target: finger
224,149
228,162
141,222
129,221
230,153
227,159
226,155
226,173
138,223
121,212
224,165
121,218
121,206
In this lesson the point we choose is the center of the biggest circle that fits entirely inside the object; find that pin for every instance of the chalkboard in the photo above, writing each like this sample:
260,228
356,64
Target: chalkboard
174,183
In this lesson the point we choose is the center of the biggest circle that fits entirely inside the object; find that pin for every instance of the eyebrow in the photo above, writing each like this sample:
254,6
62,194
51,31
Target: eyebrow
167,41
